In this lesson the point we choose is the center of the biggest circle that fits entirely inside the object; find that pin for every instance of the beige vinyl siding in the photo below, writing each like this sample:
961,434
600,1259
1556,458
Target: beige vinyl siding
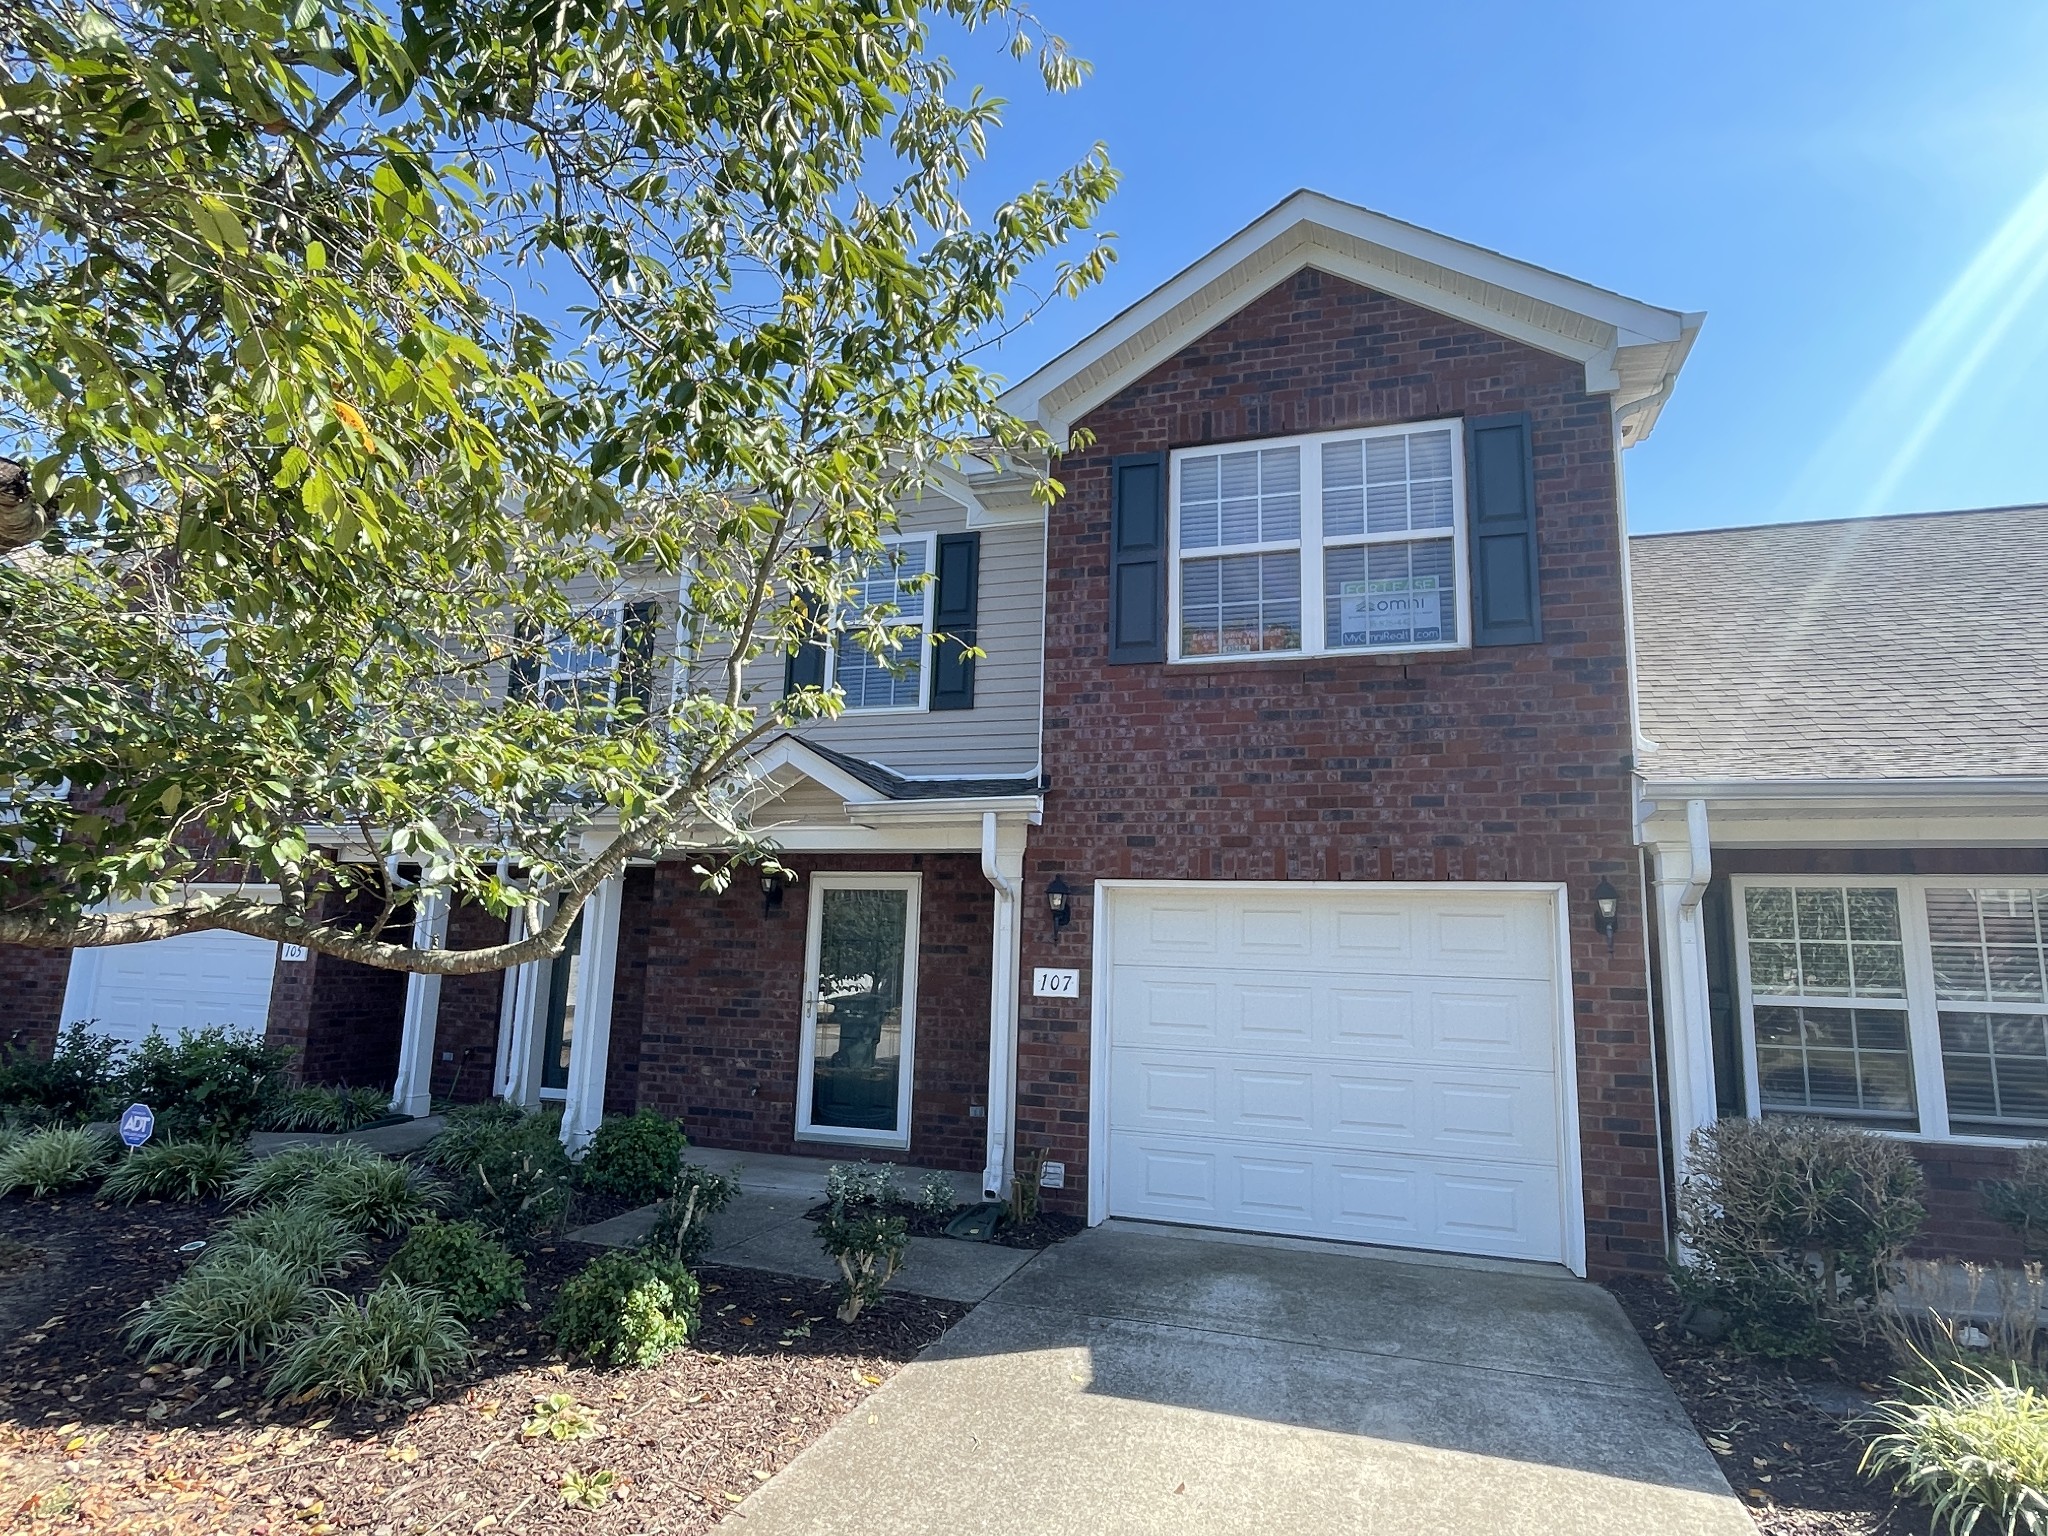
1000,734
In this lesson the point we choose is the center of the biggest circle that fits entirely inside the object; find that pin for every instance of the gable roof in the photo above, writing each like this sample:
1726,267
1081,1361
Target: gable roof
1892,648
1630,350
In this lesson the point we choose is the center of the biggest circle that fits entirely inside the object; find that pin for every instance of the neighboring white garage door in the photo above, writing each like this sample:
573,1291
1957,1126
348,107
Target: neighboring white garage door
173,984
1379,1064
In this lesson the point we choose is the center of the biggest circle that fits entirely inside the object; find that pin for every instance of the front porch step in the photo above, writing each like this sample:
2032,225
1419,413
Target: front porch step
764,1228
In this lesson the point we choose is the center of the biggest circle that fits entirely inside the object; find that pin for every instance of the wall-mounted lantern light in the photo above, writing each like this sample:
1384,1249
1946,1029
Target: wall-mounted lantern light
1059,901
771,890
1606,910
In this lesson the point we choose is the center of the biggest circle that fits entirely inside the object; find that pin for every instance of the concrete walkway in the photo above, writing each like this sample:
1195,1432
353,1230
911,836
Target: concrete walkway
392,1140
764,1229
1141,1379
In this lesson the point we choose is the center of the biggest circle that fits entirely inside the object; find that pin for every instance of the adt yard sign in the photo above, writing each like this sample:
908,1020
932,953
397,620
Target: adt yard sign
138,1121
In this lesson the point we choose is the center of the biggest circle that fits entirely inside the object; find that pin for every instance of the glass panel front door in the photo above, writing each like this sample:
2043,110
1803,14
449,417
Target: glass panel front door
857,1006
558,1032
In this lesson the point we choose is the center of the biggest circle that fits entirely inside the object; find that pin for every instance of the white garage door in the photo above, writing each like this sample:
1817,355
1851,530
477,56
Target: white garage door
1376,1063
173,984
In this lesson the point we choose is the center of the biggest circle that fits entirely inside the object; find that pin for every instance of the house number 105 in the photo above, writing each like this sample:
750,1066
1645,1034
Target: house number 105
1047,982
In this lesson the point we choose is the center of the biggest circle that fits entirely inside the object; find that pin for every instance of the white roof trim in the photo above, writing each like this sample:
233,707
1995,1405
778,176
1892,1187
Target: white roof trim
1629,350
783,761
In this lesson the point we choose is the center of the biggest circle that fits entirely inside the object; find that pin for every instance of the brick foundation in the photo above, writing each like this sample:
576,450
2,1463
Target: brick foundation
713,990
466,1028
32,997
1499,764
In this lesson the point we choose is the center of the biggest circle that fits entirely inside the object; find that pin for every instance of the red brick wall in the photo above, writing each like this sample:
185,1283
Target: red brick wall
1500,764
716,986
636,919
32,997
340,1019
466,1027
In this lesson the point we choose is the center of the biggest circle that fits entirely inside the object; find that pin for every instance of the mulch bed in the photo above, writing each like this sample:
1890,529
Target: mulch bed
1782,1431
1042,1231
91,1440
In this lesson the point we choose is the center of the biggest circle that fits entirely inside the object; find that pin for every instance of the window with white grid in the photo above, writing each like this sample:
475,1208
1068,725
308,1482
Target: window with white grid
1917,1004
1330,542
894,678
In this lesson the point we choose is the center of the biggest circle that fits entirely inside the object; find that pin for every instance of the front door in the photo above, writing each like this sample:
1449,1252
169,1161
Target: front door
859,1010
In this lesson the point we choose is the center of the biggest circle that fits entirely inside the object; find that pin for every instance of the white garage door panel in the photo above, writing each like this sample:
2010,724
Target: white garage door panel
174,985
1460,1207
1373,1064
1458,1113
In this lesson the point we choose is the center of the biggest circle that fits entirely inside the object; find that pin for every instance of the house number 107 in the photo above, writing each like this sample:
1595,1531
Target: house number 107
1047,982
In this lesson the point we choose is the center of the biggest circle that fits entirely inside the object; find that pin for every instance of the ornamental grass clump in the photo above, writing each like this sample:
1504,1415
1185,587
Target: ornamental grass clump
49,1162
1973,1448
1794,1228
306,1238
626,1308
479,1275
235,1304
373,1195
284,1175
175,1170
396,1342
328,1109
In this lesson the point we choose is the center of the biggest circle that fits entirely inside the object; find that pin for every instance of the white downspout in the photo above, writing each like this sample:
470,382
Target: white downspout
1002,1018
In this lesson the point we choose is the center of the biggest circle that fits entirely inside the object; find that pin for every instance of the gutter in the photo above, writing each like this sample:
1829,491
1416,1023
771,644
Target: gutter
1002,1019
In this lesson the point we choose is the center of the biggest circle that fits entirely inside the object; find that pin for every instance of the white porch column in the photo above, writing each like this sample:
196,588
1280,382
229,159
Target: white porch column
412,1094
1004,871
1682,872
518,1013
590,1048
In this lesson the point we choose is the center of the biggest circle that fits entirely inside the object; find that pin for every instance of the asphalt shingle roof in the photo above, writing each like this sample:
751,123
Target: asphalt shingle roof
888,782
1873,648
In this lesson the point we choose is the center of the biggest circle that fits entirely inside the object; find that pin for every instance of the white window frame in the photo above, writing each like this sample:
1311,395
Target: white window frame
891,542
807,1034
1312,542
1923,1007
615,614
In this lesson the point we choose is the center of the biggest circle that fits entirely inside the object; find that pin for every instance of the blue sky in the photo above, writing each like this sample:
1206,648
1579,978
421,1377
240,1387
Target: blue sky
1856,195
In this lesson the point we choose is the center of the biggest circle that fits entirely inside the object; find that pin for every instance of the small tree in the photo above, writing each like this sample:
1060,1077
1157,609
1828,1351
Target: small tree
360,361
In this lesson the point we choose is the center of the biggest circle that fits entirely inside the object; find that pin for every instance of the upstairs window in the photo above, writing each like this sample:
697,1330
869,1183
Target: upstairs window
1368,524
894,679
581,670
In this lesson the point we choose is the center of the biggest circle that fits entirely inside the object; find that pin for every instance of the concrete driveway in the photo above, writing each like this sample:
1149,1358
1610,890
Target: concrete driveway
1143,1379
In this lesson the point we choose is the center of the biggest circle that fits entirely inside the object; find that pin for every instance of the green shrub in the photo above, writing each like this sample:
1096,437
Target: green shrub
478,1274
328,1109
175,1170
682,1229
935,1196
1974,1448
396,1342
76,1083
512,1175
308,1238
2021,1202
48,1162
212,1083
868,1248
626,1309
633,1157
1794,1227
234,1304
861,1186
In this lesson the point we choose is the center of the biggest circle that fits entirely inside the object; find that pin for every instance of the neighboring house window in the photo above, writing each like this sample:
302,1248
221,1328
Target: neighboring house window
1915,1004
579,669
1369,523
895,679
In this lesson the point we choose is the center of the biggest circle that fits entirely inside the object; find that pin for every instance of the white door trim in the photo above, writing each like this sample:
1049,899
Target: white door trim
1572,1200
807,1031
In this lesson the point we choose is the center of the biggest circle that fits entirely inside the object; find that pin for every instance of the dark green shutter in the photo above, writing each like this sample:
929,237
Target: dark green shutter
956,618
522,679
1137,559
805,666
1507,606
636,656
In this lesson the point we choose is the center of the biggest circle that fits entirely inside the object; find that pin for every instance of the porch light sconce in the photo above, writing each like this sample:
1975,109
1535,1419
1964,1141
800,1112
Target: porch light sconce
1606,910
771,891
1059,901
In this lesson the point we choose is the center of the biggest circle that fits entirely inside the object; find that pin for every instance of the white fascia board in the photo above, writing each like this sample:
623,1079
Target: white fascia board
1284,240
789,752
907,812
1850,813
